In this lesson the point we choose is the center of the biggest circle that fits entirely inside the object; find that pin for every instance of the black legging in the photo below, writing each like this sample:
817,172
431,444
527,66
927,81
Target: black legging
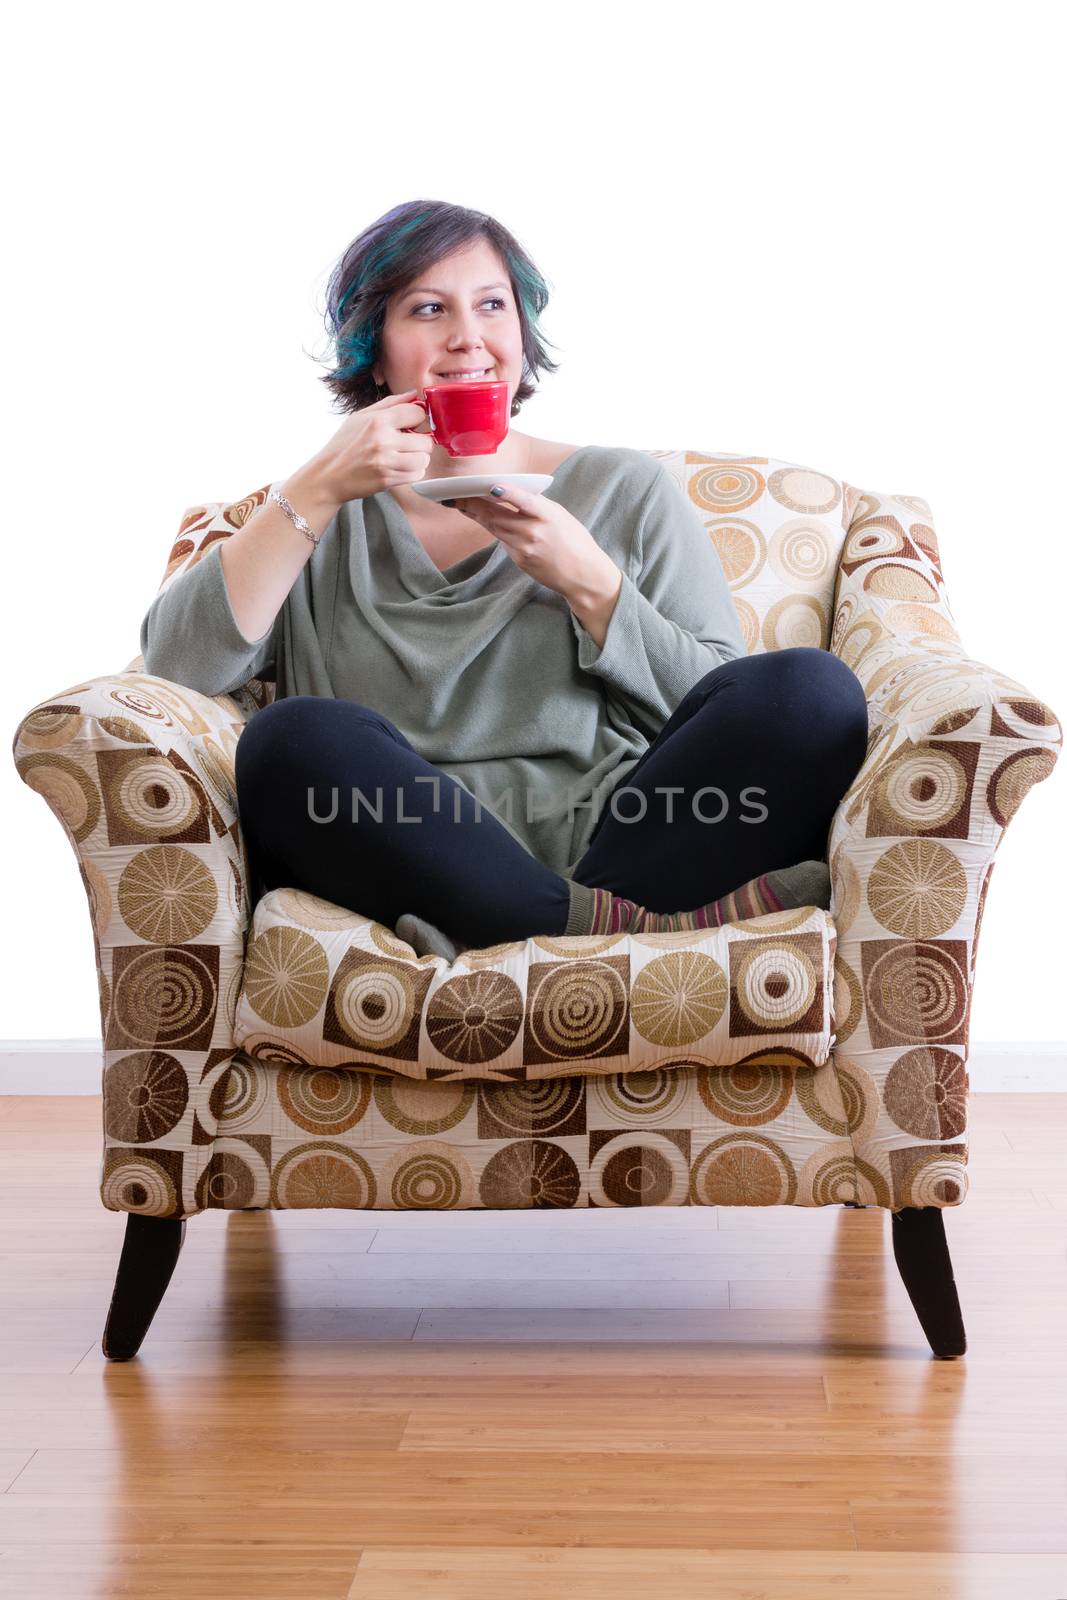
790,725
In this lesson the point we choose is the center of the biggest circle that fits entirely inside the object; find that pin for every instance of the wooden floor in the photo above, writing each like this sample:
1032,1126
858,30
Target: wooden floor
735,1404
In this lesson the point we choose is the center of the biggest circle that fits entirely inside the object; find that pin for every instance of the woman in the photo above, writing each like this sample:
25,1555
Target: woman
464,686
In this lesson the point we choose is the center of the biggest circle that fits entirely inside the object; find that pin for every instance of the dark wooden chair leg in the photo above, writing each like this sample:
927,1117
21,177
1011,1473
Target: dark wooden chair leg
149,1252
921,1252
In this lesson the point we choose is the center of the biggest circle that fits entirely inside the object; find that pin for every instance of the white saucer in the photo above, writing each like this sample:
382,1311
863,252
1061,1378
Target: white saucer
458,488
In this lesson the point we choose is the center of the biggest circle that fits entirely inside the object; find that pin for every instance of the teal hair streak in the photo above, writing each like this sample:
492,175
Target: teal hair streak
356,351
531,289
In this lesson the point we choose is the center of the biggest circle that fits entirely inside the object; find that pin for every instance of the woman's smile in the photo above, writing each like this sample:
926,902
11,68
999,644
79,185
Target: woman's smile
464,374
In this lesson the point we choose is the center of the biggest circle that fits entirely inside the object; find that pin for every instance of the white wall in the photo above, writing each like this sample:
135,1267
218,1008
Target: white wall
826,233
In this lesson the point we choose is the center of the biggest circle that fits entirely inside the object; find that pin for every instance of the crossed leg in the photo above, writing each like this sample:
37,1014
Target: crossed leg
789,727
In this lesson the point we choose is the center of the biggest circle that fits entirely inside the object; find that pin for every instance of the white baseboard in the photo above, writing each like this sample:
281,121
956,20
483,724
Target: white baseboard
74,1066
50,1066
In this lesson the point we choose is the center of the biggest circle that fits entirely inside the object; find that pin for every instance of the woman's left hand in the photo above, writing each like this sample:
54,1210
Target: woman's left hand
544,540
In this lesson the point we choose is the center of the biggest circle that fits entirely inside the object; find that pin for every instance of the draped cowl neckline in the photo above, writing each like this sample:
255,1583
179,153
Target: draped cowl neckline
417,569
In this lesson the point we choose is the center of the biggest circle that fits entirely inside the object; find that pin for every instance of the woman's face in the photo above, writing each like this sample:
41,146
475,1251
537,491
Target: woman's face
460,314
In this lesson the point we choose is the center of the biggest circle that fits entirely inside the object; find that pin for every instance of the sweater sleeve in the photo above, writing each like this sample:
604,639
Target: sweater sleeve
189,633
674,619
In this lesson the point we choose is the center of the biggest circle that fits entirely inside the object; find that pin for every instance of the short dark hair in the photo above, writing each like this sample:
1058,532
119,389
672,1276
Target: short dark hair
390,254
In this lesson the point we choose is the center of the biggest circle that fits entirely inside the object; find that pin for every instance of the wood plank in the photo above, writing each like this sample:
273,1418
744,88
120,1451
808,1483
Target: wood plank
116,1568
630,1574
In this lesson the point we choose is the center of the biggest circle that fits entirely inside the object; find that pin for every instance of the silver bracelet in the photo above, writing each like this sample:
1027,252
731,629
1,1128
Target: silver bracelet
294,516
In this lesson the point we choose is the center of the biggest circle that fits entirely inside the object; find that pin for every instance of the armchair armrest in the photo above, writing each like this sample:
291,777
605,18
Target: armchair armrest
954,747
139,772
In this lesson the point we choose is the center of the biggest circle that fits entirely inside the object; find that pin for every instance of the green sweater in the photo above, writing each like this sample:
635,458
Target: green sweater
485,670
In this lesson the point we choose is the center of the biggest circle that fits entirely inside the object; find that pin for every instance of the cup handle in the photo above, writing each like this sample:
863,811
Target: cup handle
425,407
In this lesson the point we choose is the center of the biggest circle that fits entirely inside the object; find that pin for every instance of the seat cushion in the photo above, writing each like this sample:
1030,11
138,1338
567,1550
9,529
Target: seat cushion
324,986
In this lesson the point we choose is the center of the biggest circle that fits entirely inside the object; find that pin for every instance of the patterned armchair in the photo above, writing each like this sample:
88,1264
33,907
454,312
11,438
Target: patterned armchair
295,1053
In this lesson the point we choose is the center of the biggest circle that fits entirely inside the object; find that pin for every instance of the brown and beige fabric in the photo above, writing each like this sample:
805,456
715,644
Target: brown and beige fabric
295,1053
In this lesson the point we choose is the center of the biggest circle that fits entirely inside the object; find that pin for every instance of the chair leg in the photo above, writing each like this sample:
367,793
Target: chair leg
149,1253
921,1252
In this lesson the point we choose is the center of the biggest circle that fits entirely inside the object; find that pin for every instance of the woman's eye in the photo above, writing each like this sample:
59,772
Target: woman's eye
429,303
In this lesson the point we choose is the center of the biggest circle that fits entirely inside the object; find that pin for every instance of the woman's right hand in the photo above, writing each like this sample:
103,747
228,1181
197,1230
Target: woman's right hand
370,451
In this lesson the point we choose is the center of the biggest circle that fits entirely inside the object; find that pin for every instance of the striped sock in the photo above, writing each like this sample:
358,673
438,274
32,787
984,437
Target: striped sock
600,911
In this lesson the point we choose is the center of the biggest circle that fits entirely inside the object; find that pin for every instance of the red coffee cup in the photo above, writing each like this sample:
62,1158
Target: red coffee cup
466,419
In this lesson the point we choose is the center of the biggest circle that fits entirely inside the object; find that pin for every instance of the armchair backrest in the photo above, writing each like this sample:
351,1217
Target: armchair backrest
201,527
779,530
